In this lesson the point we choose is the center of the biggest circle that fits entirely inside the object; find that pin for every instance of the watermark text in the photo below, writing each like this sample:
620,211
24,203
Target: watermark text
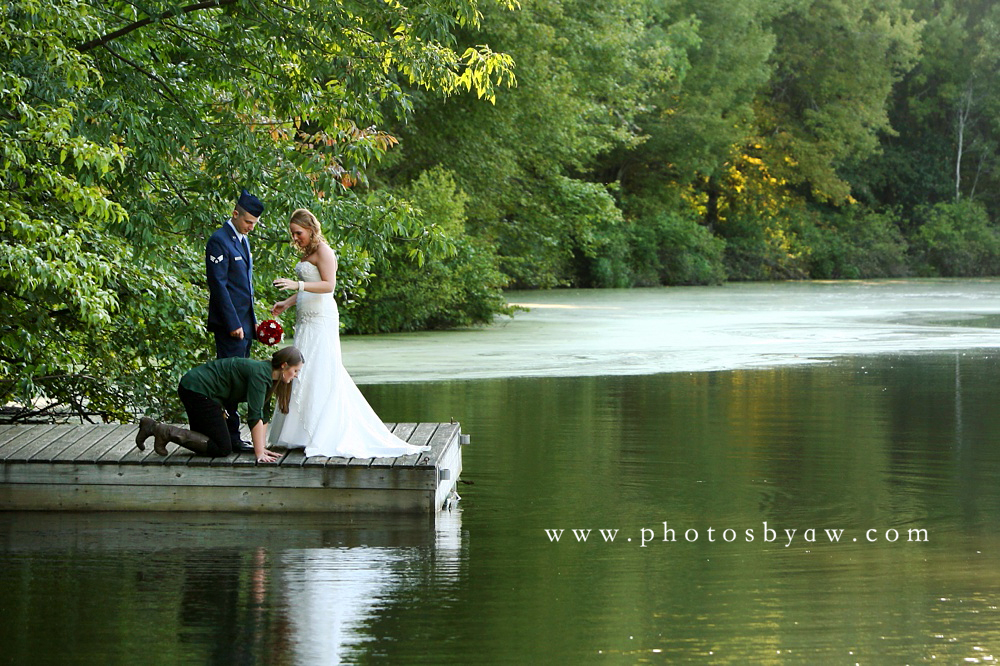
764,533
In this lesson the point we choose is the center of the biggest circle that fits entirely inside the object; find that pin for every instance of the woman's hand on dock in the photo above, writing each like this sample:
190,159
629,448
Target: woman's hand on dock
268,456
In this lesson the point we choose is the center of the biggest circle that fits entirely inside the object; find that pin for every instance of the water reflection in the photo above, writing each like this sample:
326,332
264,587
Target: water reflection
332,596
331,593
214,589
891,444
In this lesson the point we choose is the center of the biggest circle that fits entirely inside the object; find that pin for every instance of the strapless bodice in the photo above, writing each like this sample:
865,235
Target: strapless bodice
307,304
307,272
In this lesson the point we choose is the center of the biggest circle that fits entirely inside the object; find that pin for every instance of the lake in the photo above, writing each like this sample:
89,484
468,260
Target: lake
829,495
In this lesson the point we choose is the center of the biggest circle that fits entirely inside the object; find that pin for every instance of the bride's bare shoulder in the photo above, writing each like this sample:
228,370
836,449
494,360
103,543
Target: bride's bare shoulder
325,252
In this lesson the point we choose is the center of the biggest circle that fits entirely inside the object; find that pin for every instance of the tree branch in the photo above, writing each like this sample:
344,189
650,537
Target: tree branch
167,92
121,32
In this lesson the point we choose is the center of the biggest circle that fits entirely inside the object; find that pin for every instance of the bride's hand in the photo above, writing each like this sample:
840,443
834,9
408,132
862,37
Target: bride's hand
279,307
285,283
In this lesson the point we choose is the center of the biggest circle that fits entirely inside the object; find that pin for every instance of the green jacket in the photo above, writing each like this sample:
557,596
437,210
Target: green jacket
226,380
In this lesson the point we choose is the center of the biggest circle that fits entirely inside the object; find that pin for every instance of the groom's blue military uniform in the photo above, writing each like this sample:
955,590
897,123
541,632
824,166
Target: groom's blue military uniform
229,272
229,269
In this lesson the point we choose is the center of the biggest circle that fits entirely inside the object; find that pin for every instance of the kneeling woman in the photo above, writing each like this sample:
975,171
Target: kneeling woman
204,390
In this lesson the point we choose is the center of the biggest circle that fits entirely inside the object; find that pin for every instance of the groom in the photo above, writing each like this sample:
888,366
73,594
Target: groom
229,270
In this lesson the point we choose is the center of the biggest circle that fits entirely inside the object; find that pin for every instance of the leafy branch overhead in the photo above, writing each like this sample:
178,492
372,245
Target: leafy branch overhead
126,129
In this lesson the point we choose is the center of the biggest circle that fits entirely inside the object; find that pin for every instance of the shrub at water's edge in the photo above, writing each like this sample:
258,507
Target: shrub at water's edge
956,240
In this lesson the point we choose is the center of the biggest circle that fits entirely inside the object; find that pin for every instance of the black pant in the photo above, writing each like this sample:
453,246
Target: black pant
227,346
205,416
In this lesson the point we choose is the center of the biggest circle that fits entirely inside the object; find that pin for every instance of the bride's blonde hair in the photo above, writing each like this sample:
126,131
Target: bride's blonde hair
305,219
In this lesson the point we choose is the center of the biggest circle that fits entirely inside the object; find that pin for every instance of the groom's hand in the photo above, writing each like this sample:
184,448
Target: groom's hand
238,333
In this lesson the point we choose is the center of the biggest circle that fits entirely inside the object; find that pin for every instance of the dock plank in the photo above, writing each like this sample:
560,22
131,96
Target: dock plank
442,437
178,455
54,444
82,497
26,436
80,437
97,466
232,458
403,432
225,461
421,437
113,434
260,476
120,443
9,432
367,462
326,461
293,458
127,453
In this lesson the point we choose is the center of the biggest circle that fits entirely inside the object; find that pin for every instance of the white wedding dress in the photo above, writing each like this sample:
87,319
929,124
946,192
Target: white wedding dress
327,414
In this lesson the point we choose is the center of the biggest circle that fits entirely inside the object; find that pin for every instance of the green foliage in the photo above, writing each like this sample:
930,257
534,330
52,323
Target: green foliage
583,70
642,142
693,119
125,133
835,64
957,239
557,221
762,247
59,270
441,202
674,249
946,111
859,243
464,289
653,97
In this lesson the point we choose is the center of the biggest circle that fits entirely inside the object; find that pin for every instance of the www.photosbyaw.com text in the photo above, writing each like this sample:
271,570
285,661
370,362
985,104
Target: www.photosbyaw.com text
764,534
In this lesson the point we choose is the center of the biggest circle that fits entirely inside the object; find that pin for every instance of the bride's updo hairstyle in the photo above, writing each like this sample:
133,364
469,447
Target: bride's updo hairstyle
308,221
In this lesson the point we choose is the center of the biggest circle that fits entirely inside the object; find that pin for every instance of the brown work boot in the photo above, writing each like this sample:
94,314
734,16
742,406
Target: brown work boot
146,426
161,435
193,441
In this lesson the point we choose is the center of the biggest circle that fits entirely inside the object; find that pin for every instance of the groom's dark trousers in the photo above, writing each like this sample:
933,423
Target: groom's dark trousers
230,304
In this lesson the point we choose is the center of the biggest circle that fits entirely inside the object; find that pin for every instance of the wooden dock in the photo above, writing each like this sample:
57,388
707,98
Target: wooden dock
99,468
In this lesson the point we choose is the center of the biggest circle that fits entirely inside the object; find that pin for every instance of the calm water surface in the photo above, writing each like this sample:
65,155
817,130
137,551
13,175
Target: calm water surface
887,443
842,512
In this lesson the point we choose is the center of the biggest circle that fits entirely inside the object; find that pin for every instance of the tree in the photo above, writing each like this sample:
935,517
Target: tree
126,133
826,105
696,120
528,163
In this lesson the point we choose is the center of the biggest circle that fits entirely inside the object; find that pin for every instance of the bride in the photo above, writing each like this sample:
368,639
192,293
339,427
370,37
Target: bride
327,414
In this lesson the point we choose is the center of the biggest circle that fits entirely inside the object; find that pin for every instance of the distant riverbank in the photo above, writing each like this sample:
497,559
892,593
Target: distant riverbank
578,332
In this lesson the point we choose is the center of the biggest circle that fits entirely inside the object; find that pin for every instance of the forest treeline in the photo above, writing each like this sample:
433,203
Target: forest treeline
692,142
454,148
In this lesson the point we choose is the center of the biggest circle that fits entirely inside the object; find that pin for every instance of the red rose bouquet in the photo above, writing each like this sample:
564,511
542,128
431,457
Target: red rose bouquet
269,332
